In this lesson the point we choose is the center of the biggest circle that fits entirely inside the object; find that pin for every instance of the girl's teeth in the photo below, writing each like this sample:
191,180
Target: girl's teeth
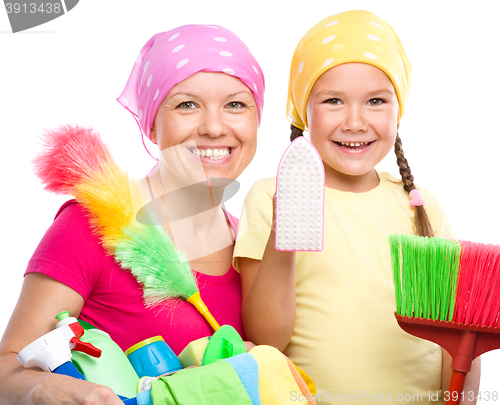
354,144
213,154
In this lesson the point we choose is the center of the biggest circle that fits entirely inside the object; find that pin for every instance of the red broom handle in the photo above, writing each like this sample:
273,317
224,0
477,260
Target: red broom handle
454,393
461,365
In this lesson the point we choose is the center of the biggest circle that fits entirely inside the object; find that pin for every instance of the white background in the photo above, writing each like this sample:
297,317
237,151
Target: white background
71,70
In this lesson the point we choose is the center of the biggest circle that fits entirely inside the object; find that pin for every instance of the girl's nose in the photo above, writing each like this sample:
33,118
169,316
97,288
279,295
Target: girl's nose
212,123
353,120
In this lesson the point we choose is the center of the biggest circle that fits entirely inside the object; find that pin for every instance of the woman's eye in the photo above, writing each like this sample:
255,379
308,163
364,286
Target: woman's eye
375,101
236,104
187,105
333,101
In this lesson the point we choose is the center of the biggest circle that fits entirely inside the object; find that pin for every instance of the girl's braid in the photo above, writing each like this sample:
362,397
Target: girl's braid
296,132
404,169
422,222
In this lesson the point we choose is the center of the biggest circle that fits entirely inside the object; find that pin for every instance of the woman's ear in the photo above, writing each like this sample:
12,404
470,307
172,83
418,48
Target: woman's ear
152,134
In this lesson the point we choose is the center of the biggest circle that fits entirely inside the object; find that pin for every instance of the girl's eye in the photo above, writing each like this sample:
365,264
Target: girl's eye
333,101
236,104
187,105
375,101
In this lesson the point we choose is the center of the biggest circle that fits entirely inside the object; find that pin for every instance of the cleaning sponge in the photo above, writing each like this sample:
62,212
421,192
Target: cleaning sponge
300,198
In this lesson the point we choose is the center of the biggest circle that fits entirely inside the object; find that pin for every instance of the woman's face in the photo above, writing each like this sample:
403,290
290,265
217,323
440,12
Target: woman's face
352,113
210,118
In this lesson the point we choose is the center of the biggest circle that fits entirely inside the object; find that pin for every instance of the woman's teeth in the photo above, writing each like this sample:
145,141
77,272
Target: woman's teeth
213,154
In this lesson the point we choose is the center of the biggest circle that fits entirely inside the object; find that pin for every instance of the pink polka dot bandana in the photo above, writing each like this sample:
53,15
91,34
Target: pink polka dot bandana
170,57
353,36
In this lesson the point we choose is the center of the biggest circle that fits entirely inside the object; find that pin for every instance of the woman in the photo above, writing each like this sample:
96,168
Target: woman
197,92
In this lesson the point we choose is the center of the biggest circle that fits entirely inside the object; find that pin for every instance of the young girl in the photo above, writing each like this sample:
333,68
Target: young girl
331,312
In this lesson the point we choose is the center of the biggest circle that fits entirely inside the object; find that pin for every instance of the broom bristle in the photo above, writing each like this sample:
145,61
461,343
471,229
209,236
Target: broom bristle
441,279
425,274
478,291
69,154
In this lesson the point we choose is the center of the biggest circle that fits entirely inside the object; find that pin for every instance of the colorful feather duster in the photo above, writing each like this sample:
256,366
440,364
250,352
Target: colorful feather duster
75,161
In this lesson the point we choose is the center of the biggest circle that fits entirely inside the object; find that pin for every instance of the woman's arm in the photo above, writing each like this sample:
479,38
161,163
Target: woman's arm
268,290
40,300
471,382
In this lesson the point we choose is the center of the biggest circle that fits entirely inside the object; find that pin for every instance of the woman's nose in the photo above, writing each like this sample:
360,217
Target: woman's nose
354,120
212,123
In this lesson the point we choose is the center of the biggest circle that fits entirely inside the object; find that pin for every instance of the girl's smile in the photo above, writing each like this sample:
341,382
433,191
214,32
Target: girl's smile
354,147
352,112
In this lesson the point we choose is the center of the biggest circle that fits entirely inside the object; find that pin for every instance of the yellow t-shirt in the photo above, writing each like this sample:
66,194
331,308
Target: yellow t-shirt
346,336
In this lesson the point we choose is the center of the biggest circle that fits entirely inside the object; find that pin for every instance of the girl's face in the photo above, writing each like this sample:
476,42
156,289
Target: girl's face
352,114
214,119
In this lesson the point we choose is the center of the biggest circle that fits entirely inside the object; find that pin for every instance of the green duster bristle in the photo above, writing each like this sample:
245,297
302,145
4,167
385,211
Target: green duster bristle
425,274
151,256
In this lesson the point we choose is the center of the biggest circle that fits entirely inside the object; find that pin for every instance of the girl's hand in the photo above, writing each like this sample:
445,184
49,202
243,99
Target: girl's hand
273,223
59,390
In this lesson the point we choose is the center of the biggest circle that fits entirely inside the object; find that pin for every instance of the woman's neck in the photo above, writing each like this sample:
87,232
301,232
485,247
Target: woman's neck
354,184
191,214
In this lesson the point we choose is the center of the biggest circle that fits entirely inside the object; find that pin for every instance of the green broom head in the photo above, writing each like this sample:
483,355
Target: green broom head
149,253
425,272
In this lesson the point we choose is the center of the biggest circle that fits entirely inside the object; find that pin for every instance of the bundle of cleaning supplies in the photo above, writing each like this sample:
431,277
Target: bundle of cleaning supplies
228,374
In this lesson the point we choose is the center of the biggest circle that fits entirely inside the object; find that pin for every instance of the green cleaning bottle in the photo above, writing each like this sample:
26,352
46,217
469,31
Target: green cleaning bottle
111,369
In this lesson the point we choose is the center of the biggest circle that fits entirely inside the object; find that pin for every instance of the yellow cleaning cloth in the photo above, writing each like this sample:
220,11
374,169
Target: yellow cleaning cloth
278,384
299,374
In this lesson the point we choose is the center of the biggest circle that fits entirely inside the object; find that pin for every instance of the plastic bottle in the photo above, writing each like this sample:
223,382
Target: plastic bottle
111,369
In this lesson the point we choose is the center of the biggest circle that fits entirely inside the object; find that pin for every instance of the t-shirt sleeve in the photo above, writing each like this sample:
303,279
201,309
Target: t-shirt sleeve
69,252
255,221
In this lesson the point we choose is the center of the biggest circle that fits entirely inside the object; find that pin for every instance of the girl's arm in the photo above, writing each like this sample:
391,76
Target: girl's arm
40,300
471,382
268,290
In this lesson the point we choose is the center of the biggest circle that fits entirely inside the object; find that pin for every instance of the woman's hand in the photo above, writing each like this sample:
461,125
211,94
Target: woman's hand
61,390
34,315
248,345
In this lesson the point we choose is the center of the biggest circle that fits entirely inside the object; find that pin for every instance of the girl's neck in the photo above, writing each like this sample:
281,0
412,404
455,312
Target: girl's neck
350,183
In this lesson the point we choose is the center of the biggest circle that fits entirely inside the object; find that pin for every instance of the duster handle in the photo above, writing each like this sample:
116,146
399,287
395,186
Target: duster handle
198,303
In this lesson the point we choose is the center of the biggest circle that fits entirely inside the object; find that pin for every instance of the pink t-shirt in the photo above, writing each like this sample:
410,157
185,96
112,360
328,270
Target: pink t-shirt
71,254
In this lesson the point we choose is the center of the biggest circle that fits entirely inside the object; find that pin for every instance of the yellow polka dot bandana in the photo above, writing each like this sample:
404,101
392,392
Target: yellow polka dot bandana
352,36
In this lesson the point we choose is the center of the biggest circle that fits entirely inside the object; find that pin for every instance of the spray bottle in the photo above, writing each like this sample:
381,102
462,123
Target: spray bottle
52,351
